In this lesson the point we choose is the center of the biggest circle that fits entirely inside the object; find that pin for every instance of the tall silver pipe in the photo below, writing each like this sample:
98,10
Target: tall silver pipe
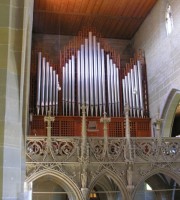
112,86
73,85
87,76
130,93
39,82
95,75
99,78
109,84
70,86
103,80
46,88
133,93
54,91
57,92
67,88
140,88
79,81
82,75
64,89
50,87
136,83
43,85
118,88
91,73
115,89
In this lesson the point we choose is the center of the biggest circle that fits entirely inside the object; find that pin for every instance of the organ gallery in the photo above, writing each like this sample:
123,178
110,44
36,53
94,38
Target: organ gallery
90,74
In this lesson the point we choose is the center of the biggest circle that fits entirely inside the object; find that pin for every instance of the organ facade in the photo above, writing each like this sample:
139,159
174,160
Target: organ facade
89,74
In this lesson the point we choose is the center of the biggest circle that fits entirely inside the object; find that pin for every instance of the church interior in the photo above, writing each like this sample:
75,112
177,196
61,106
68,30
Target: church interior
90,100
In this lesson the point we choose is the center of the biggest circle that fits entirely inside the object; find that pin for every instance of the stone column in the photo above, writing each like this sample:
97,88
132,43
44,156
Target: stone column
15,37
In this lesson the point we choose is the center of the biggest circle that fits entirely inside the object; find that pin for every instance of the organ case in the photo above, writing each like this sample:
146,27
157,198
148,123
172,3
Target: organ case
90,74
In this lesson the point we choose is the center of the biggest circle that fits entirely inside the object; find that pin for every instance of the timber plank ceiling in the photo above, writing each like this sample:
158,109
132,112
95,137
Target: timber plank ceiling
118,19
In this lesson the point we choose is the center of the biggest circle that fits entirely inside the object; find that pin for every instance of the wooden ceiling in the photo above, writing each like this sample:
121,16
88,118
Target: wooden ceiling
118,19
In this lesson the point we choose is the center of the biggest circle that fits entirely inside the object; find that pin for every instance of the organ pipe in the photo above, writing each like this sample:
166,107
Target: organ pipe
47,87
39,83
91,75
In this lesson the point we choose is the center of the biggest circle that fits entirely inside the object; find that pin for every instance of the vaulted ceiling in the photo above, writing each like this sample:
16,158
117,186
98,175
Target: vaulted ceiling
118,19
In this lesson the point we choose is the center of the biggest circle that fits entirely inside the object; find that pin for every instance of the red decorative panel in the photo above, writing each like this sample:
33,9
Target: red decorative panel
67,128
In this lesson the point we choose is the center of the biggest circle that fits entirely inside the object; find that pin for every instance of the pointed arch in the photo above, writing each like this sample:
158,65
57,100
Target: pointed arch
169,112
116,179
165,172
71,188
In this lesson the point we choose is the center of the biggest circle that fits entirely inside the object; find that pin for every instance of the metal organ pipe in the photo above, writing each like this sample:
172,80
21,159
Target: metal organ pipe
46,87
70,86
95,75
64,89
115,89
133,93
112,86
79,81
140,88
47,83
43,85
91,73
118,94
82,75
130,93
136,84
87,76
73,85
103,81
99,78
39,83
109,84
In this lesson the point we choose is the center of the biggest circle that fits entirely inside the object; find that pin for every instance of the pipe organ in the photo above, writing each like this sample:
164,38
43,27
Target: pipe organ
90,74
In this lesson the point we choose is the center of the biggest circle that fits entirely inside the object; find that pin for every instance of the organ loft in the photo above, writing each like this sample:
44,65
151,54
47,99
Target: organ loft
90,73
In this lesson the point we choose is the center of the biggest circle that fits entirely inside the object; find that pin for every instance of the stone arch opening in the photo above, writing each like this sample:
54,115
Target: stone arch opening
169,111
108,186
56,185
160,184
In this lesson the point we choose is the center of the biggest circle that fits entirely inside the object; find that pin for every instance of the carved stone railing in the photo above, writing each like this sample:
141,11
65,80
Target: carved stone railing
68,149
131,160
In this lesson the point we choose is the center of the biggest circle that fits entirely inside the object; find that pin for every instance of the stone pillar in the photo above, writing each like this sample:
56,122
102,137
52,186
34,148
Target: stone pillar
15,39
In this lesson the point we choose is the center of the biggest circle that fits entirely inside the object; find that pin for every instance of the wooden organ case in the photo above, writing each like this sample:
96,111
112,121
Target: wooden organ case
90,74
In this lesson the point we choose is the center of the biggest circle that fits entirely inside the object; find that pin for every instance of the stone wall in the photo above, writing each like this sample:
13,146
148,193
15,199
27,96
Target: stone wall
162,53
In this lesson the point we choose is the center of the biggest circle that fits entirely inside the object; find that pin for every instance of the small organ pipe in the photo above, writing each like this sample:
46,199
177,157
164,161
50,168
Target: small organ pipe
39,82
126,90
133,93
136,89
130,93
140,88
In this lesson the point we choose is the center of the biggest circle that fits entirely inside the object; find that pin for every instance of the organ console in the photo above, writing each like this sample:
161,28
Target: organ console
90,74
